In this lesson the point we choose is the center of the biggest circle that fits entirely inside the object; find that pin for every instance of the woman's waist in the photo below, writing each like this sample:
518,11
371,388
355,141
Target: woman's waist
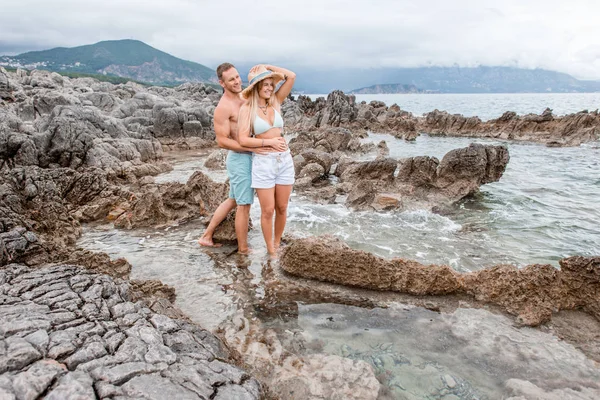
273,154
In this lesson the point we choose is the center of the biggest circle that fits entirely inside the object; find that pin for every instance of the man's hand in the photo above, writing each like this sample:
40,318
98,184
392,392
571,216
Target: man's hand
278,144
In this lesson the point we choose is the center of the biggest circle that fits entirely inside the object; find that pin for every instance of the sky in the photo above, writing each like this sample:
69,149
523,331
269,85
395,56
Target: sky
557,35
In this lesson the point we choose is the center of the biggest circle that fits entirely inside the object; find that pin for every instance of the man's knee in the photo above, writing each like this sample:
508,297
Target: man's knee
243,209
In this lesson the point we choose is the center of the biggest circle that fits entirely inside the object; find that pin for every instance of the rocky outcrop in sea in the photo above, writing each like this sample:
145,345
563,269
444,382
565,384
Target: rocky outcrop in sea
341,110
326,168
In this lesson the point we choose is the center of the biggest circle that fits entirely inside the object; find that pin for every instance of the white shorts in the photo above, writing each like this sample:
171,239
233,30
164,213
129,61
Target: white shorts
272,169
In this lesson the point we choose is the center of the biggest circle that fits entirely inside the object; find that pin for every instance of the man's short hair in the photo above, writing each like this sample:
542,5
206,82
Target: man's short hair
222,68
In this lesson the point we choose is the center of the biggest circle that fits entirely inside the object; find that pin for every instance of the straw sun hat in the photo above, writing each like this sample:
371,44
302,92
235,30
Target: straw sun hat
257,74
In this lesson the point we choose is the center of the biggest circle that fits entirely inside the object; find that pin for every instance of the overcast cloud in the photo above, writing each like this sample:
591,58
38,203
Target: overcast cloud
562,36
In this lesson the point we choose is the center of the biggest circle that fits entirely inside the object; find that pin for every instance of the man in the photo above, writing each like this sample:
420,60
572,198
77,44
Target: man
239,160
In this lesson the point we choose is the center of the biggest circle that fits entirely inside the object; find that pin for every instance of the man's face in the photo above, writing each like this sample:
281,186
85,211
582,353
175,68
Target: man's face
231,81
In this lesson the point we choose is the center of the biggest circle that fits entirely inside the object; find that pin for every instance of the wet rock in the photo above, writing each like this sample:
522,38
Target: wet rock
532,293
216,159
174,202
421,182
329,259
520,389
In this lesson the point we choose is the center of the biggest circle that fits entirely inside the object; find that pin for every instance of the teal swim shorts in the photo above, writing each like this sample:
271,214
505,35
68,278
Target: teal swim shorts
239,170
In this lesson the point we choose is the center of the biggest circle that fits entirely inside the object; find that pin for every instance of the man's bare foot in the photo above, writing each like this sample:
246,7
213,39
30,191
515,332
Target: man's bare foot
206,242
245,252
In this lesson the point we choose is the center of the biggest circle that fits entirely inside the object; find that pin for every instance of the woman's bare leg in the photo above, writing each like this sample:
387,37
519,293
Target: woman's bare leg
266,197
282,198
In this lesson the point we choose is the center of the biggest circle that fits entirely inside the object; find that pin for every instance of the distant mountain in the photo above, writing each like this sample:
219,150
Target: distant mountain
388,88
125,58
444,80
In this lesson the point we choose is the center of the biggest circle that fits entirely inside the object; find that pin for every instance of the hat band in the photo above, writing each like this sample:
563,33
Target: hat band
259,77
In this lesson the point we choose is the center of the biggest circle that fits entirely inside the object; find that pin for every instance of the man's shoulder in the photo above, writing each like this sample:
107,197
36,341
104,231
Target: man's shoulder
227,106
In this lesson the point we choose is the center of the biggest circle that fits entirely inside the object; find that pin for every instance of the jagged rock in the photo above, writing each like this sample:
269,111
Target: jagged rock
216,159
340,110
158,204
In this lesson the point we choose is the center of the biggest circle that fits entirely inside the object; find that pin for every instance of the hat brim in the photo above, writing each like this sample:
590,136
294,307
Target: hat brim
277,77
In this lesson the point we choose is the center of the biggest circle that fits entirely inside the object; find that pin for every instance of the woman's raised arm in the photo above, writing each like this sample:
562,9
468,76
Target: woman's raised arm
286,88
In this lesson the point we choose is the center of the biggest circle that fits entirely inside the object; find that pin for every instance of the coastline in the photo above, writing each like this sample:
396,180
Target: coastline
53,186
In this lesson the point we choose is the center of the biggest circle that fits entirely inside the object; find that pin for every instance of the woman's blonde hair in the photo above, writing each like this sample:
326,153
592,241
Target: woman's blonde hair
253,105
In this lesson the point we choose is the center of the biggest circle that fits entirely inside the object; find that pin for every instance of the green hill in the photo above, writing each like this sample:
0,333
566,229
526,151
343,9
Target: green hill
122,58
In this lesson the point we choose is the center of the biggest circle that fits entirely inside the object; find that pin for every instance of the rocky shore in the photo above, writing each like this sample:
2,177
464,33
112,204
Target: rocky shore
76,151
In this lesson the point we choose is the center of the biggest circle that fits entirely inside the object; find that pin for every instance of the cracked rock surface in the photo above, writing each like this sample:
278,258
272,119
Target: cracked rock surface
67,333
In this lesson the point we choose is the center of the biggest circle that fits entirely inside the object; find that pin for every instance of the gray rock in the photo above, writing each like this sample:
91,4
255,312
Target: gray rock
123,372
160,353
16,353
233,392
34,381
87,353
121,309
39,339
74,385
157,387
164,323
110,358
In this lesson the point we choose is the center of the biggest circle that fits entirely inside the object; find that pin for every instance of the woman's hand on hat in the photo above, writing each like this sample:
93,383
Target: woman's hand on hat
255,68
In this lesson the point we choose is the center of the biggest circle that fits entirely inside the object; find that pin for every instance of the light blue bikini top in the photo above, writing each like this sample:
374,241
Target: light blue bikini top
261,126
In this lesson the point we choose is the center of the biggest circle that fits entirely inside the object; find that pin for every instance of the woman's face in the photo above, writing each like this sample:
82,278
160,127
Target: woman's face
266,88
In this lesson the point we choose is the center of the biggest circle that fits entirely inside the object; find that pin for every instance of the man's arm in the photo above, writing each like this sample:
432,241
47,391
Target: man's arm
222,130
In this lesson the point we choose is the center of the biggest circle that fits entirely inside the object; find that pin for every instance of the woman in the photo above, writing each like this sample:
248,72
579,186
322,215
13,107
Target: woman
272,173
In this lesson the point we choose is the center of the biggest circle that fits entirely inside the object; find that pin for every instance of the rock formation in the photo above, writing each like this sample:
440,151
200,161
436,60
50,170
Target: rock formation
69,333
386,183
54,120
340,110
532,293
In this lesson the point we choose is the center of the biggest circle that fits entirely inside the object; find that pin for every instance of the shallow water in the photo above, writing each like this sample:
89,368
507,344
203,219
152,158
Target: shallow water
421,354
542,210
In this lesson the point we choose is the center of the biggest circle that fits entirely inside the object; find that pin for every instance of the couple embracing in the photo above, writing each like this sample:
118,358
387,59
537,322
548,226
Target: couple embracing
249,124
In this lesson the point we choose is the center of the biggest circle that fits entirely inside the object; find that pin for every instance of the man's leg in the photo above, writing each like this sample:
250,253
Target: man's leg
242,216
220,214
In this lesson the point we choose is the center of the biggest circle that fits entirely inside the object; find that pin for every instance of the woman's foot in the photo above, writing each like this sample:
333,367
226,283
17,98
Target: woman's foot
207,242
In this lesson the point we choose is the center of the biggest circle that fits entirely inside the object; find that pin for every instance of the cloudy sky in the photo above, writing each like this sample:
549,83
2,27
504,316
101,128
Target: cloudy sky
557,35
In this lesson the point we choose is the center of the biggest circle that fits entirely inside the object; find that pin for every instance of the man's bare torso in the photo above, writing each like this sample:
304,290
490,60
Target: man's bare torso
232,107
